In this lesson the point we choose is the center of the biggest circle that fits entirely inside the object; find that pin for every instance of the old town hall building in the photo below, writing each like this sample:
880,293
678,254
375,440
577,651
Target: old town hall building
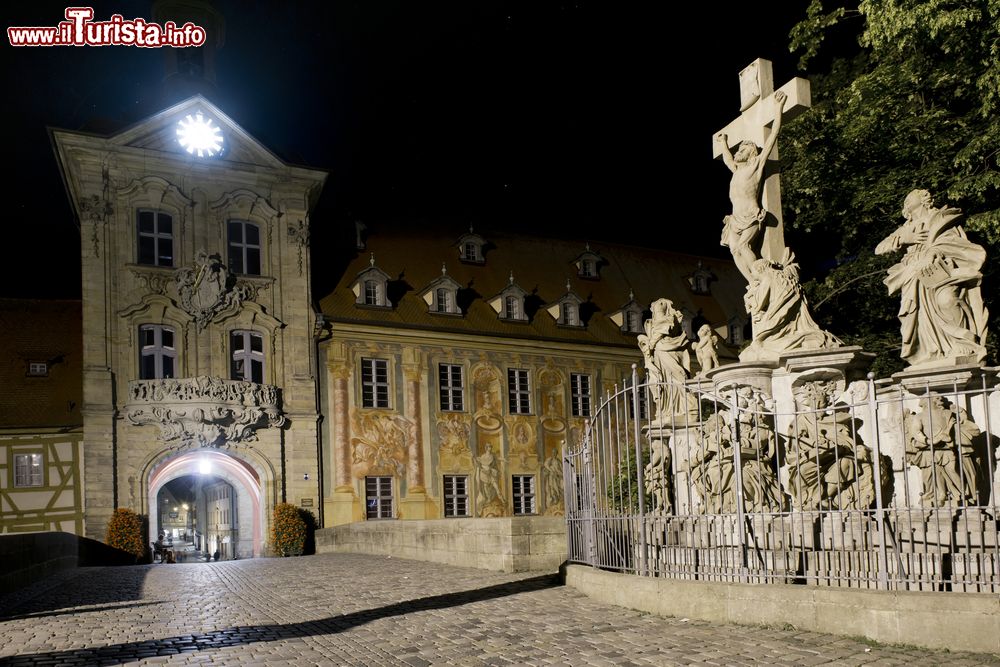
439,378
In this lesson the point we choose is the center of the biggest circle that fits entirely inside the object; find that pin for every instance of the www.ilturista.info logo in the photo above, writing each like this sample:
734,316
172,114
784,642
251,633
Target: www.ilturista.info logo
79,29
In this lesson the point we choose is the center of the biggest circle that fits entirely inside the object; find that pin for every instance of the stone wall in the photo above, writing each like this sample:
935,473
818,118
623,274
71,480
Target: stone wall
511,544
967,622
29,557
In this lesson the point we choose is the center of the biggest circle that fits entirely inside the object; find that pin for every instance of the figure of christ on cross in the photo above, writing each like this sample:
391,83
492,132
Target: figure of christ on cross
754,230
744,225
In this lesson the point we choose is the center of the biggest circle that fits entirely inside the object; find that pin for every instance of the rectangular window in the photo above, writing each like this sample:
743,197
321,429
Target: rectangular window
456,495
247,362
642,391
450,382
378,497
374,383
156,238
518,392
244,247
38,368
580,394
373,293
524,494
28,470
157,353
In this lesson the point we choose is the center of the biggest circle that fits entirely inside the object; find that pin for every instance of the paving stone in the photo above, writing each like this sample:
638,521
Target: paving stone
348,609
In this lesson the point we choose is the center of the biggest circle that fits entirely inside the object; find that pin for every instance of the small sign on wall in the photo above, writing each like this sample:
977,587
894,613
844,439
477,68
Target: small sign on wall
306,502
173,515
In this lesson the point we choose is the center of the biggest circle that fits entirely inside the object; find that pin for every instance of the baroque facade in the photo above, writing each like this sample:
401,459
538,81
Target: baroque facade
198,330
459,367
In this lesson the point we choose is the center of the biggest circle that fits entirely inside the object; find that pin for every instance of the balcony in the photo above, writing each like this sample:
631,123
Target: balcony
205,411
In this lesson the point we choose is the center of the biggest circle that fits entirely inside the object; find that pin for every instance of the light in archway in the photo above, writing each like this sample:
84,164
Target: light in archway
198,135
204,466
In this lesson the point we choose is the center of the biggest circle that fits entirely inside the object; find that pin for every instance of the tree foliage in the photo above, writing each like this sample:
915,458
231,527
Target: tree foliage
917,107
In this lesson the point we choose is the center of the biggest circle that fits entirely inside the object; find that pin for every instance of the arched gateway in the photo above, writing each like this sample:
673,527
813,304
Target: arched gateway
250,520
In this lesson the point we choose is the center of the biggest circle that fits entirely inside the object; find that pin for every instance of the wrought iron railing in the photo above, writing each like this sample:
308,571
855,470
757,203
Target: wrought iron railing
864,485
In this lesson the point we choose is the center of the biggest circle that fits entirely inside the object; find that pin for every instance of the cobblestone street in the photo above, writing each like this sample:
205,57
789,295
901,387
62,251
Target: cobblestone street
341,609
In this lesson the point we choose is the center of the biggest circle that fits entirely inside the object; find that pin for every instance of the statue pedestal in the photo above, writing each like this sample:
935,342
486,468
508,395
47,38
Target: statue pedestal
945,378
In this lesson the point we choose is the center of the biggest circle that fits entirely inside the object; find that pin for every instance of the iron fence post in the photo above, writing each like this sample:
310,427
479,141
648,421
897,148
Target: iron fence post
640,472
883,561
738,479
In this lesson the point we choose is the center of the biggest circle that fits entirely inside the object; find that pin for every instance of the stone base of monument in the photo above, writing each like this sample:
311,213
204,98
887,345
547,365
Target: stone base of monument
975,528
803,530
943,378
843,531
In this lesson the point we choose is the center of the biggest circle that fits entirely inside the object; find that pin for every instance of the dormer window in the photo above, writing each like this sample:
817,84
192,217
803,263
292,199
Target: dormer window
570,314
441,296
588,264
566,310
370,287
470,252
632,321
628,317
512,308
509,304
373,293
699,280
735,336
470,248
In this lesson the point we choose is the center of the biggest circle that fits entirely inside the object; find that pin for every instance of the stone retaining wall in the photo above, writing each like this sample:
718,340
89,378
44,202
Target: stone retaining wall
954,621
28,557
510,544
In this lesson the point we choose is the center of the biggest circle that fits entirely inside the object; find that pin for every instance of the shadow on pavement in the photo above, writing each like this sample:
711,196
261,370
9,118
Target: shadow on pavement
75,610
119,584
243,635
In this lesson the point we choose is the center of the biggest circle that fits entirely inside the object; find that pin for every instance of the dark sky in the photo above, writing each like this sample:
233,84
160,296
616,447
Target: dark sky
588,120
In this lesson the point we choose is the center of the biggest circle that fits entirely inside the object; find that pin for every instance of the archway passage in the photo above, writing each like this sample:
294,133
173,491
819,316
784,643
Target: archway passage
223,497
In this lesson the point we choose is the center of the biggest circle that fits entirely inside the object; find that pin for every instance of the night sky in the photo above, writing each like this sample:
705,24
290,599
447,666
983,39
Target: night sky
560,118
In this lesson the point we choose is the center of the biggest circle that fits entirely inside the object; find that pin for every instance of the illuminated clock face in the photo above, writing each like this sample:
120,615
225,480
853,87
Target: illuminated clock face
199,135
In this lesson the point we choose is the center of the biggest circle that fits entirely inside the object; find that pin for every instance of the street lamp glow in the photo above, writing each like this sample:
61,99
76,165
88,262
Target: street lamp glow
198,136
204,466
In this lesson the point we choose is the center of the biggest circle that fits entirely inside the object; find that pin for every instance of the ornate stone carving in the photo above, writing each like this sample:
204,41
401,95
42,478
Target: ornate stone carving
938,279
207,411
380,443
206,289
664,348
947,467
707,349
656,476
779,312
713,461
154,281
299,235
827,465
95,210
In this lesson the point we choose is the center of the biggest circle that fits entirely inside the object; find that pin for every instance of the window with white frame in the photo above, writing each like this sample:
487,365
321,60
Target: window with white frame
524,494
28,470
374,383
244,247
580,394
571,314
38,368
247,356
378,497
633,321
456,495
512,307
372,292
156,238
518,391
587,268
157,354
452,387
443,300
470,251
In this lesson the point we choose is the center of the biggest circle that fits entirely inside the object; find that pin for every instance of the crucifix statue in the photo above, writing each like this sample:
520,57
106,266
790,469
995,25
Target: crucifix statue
754,229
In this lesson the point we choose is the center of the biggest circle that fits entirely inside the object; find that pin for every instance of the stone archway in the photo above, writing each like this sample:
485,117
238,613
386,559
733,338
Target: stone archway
230,468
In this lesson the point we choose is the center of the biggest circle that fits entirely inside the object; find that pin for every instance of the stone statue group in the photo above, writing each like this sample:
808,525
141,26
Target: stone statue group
943,325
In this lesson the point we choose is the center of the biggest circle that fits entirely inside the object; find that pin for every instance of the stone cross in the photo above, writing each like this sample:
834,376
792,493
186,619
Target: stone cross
753,124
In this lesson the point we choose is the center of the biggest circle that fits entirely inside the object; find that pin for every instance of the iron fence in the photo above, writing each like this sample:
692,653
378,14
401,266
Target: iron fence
867,485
